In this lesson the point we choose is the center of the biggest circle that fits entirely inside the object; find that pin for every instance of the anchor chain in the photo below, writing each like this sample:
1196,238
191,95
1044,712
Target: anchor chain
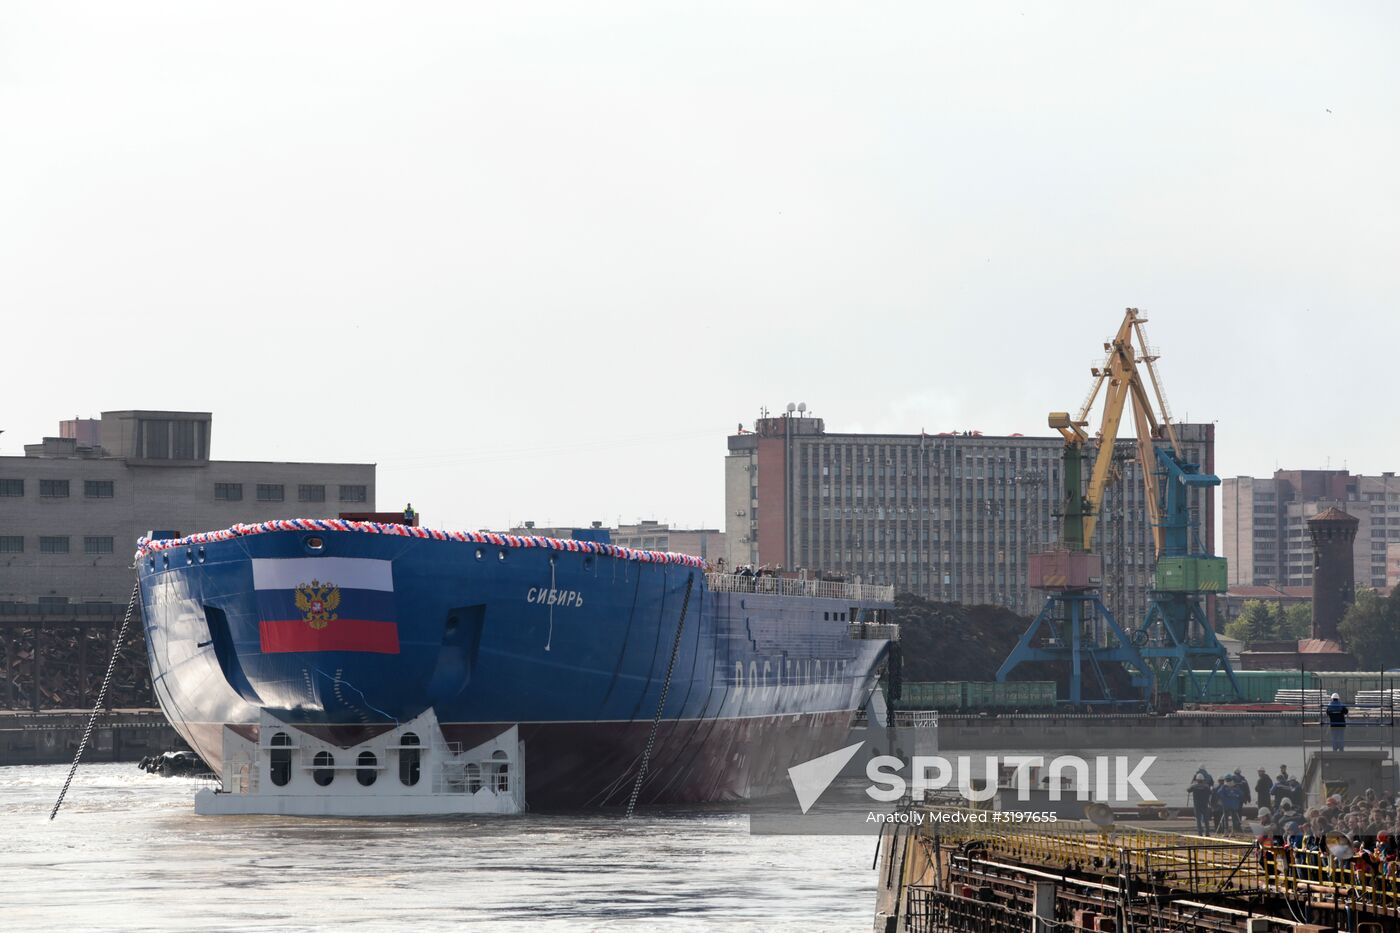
101,695
661,703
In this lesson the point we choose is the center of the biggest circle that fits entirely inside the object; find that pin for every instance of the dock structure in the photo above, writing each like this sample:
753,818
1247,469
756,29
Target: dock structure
52,736
951,869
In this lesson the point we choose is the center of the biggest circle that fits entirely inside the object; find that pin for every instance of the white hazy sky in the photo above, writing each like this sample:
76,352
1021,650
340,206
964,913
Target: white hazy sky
537,260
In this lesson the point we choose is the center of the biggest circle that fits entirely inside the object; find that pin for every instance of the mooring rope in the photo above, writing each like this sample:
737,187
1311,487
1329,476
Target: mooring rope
661,703
101,696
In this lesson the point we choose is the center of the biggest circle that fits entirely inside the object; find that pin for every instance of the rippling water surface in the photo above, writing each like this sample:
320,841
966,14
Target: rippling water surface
127,852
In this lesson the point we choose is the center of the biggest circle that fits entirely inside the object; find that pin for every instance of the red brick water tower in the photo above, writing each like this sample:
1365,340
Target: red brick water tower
1333,534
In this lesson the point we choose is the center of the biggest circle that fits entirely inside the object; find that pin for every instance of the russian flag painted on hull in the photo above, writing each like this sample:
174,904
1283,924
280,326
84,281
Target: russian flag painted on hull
325,604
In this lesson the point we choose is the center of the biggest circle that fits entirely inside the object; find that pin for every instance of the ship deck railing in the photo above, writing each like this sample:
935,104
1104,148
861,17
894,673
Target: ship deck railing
789,586
929,910
905,718
1179,861
1183,862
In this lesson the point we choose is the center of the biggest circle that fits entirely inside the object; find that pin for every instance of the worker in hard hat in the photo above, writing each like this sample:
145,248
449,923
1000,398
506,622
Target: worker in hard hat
1337,719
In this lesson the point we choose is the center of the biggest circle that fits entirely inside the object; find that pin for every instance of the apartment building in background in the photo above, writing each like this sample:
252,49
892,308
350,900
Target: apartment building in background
949,516
1265,533
72,508
652,535
647,535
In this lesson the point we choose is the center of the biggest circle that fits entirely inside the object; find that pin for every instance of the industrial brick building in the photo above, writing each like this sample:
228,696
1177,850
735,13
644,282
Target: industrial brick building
946,516
73,506
1264,524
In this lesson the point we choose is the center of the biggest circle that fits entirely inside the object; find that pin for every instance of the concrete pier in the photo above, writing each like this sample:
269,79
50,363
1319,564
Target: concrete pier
52,736
1064,732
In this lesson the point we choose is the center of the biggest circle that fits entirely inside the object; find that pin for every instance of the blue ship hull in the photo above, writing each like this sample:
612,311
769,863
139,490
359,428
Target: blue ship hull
572,647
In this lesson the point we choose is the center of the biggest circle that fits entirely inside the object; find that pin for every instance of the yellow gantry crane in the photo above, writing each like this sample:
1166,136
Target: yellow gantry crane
1175,638
1121,375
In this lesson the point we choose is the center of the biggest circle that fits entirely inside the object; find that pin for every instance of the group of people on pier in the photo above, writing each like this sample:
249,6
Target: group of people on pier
1218,803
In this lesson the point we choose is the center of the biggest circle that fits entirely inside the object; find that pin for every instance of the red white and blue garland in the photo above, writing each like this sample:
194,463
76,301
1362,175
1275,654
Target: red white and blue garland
147,546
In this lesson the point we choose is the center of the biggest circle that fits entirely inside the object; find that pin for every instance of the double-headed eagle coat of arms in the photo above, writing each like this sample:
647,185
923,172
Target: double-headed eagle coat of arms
318,601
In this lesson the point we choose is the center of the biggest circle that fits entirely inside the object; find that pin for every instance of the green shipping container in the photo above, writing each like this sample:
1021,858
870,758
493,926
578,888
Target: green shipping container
1256,686
1191,574
1349,683
954,695
939,695
1211,575
945,695
1029,694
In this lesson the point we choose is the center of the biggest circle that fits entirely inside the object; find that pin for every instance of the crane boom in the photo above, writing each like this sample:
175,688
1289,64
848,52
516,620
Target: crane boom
1177,638
1123,377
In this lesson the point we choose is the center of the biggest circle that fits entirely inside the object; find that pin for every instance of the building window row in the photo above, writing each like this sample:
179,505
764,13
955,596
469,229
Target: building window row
59,544
276,492
59,488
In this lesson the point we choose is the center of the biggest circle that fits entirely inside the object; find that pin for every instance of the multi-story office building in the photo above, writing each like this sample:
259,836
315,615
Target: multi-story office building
651,535
73,506
947,516
645,535
1265,530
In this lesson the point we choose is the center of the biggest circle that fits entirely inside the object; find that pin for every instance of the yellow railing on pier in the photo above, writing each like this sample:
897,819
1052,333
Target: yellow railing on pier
1317,874
1181,862
1188,863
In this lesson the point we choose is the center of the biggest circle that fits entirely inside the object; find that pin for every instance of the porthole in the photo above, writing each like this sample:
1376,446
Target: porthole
323,768
366,768
479,554
315,545
500,555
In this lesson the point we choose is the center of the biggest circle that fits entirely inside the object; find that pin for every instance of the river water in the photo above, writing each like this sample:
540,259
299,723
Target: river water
127,853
